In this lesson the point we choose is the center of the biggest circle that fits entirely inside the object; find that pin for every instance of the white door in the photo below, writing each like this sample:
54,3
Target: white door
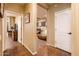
63,30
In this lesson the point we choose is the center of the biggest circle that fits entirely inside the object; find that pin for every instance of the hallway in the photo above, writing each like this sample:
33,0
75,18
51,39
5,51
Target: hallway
43,50
21,22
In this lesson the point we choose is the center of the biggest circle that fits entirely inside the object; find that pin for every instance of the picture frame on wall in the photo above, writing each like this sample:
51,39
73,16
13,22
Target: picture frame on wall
27,18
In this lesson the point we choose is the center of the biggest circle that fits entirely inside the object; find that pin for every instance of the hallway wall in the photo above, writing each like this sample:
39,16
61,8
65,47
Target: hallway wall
75,29
29,39
51,21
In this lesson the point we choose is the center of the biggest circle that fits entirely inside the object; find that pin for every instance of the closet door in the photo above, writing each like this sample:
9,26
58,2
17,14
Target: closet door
63,30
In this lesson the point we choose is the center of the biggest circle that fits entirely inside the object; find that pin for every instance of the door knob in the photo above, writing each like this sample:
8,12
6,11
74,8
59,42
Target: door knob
69,33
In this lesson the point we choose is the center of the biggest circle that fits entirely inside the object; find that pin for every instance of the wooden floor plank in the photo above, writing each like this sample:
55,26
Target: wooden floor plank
43,50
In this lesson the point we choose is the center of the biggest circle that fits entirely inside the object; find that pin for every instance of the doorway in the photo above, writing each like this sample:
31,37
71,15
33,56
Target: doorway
11,29
63,30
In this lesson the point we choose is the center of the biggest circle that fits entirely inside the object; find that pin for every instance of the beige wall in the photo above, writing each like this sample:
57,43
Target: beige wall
75,29
50,27
29,39
51,21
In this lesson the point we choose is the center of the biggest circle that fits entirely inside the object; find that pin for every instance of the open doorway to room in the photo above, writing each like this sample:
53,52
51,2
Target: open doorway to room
12,32
12,28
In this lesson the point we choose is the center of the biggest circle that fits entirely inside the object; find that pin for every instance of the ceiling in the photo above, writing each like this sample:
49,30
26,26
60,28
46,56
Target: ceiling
48,5
43,7
42,10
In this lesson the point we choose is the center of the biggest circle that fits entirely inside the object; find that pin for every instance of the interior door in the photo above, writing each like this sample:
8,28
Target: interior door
63,30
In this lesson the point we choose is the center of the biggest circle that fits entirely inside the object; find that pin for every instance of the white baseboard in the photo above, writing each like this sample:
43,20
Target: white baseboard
50,45
33,53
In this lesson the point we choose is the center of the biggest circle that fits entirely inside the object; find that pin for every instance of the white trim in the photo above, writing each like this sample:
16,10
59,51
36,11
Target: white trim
22,27
33,53
50,44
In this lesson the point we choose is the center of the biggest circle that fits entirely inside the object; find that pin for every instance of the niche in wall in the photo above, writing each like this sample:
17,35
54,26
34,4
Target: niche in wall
41,22
42,28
